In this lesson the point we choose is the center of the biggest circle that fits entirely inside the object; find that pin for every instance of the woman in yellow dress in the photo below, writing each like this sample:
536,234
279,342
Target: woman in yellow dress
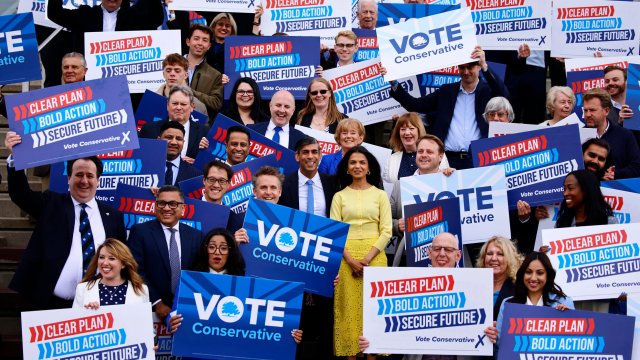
365,206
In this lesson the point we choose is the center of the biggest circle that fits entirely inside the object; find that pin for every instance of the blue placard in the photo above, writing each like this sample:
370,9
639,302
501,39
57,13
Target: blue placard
433,80
19,60
535,162
630,185
235,317
72,121
274,62
367,45
260,146
389,14
541,332
580,82
153,107
423,222
293,245
633,96
138,206
143,167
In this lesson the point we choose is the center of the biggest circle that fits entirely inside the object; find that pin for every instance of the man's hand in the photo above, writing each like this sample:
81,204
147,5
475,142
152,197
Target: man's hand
162,310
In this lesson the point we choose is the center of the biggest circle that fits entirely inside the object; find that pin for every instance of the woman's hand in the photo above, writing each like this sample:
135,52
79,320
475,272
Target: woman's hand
356,267
188,160
319,71
336,281
225,79
541,213
241,236
524,210
448,171
363,343
492,333
297,335
204,143
12,139
174,322
93,305
562,307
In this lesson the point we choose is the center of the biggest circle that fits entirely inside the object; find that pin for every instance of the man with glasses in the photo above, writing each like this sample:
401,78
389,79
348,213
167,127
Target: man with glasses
162,247
346,45
216,179
238,140
177,169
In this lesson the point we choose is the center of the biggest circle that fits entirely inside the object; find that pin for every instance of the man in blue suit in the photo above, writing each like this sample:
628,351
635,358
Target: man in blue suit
177,169
162,247
282,106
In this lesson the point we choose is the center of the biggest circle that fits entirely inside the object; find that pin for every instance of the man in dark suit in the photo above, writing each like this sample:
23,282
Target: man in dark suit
177,169
112,15
310,191
162,247
180,104
69,228
282,107
454,112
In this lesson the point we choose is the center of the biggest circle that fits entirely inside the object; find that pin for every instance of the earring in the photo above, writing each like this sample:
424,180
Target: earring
347,172
369,172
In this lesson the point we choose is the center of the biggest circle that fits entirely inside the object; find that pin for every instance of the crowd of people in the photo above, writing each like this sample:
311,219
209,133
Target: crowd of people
80,255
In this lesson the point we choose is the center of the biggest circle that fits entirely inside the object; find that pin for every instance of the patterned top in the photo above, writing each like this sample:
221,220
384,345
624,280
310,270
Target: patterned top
113,295
407,165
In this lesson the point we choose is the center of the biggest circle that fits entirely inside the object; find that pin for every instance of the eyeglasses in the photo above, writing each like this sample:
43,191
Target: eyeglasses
499,113
248,93
212,180
172,204
446,249
315,92
224,249
342,46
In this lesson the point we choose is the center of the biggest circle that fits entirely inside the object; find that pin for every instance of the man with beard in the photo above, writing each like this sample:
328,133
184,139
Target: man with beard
615,79
595,153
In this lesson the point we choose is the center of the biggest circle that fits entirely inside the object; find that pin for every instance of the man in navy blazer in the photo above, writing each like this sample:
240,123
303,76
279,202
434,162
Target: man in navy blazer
282,107
180,104
153,247
173,133
455,111
52,264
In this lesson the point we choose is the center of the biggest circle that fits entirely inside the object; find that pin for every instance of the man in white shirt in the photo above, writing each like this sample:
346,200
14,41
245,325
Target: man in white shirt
282,107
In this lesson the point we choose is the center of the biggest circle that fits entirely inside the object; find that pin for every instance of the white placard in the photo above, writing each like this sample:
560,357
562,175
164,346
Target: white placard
595,262
236,6
137,54
497,128
430,43
111,332
429,310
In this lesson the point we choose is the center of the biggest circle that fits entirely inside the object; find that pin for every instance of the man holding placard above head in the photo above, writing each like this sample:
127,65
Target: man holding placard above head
455,111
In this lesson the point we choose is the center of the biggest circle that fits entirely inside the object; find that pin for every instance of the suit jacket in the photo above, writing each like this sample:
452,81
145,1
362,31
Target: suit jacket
207,87
507,290
144,15
439,105
186,171
291,198
50,243
197,131
149,247
85,295
294,134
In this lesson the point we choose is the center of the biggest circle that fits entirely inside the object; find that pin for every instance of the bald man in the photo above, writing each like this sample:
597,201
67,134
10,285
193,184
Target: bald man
444,252
282,106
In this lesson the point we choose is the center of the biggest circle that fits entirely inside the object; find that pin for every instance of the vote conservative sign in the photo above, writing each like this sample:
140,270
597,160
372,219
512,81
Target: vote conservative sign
440,311
236,317
19,59
390,13
293,245
541,332
72,121
535,162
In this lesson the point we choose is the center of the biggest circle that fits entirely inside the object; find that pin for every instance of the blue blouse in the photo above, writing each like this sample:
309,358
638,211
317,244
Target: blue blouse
329,163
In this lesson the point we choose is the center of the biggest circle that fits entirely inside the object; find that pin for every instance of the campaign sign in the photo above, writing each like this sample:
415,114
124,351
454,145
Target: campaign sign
367,45
39,9
497,128
362,93
293,245
72,121
111,332
153,107
274,62
535,162
423,222
137,54
393,13
19,59
439,311
236,6
505,25
542,332
482,193
323,18
237,317
633,96
430,43
165,339
260,146
431,81
240,188
633,310
599,63
138,206
580,82
595,262
143,167
580,28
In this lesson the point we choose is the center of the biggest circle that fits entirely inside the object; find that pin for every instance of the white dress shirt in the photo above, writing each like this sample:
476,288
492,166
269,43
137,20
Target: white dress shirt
284,134
176,167
185,147
167,237
319,204
109,19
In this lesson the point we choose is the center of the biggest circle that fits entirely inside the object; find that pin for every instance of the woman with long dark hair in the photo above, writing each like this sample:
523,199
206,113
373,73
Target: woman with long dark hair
583,203
245,103
219,254
365,207
320,111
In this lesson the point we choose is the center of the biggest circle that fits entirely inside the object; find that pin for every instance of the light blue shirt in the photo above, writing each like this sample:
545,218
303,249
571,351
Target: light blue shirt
463,128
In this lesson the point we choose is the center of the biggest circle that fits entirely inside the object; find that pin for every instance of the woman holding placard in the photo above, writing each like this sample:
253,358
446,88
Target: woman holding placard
583,203
365,207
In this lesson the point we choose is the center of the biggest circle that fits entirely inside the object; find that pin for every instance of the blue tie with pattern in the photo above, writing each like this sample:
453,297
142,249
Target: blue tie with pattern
174,260
86,236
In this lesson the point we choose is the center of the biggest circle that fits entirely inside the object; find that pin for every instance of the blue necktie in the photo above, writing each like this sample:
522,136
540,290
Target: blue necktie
168,175
174,260
276,134
86,236
310,207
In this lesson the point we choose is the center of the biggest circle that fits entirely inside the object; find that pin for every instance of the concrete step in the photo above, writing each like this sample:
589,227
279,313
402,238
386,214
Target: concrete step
15,239
11,223
5,279
8,208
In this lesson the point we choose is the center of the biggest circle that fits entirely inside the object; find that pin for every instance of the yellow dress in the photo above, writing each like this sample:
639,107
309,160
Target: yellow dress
369,215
